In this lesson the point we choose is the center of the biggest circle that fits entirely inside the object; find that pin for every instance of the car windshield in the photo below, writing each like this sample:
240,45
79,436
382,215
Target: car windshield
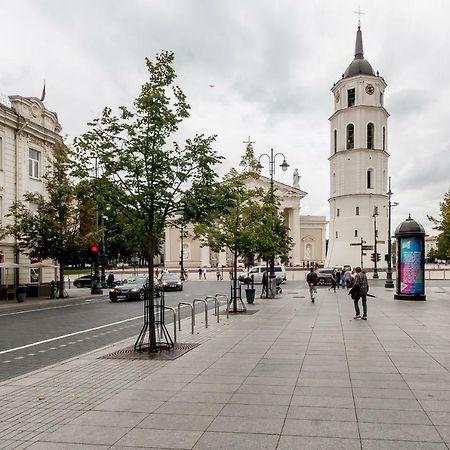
135,280
170,277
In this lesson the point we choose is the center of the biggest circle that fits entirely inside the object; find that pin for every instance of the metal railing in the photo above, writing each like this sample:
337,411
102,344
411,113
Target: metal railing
206,309
217,296
174,323
216,305
192,315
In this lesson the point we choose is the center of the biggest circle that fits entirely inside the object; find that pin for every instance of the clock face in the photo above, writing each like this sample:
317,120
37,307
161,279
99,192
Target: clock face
337,96
370,89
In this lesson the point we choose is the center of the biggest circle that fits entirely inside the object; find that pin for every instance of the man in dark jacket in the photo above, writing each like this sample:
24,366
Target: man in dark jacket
312,279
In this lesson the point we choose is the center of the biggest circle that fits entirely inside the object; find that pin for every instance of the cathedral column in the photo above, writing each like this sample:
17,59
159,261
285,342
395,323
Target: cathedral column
294,225
205,256
222,259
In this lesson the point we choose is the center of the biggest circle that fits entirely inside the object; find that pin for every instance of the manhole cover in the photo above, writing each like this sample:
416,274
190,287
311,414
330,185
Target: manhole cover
129,353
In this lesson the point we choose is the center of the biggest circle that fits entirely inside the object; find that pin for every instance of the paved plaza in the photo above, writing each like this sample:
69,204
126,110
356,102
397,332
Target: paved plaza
293,375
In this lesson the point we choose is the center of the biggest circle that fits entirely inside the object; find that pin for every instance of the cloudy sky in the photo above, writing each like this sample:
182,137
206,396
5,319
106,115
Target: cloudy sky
272,64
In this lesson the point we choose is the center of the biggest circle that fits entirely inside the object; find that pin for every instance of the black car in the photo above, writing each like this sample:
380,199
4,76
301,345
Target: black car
83,281
133,288
171,281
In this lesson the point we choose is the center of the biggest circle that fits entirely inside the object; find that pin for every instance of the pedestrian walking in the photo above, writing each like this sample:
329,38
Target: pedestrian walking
204,273
218,274
200,272
312,279
338,278
264,282
110,280
347,278
231,274
333,281
358,291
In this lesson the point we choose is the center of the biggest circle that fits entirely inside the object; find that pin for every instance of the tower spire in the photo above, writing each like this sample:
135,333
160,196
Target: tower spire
359,52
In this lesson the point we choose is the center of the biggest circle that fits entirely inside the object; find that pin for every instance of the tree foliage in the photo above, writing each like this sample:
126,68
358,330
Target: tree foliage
53,230
443,225
151,182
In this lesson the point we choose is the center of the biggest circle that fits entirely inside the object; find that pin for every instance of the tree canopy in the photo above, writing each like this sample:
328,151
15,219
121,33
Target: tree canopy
443,225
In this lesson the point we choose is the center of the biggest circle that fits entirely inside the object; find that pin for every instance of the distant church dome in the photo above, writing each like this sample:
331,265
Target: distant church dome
359,66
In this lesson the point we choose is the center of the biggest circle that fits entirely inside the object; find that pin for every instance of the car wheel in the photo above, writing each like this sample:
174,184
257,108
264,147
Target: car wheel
76,285
113,299
321,281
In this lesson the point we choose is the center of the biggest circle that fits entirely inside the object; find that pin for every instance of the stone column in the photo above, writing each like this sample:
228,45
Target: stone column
294,224
204,256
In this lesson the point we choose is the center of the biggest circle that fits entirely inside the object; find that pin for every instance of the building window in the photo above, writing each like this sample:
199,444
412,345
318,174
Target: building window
384,138
1,153
370,136
357,211
337,212
381,99
350,136
34,275
350,97
370,179
34,163
335,141
333,182
356,233
336,234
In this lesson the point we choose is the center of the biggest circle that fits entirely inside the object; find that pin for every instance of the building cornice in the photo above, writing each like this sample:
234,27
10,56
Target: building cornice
355,107
359,150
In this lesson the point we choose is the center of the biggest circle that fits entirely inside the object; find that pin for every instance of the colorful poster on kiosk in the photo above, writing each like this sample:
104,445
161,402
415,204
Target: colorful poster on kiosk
411,263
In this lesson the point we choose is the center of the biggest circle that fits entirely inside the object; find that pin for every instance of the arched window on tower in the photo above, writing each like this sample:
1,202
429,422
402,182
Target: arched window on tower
384,138
370,133
370,179
333,183
335,141
350,136
357,211
381,99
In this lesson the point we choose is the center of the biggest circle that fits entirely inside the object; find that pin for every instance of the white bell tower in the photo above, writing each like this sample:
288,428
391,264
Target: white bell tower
358,165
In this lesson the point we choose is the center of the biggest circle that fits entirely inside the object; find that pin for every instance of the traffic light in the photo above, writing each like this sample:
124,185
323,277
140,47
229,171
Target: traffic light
375,257
93,251
378,256
372,257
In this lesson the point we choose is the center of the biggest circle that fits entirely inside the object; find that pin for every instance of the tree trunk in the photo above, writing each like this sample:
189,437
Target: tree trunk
235,281
149,302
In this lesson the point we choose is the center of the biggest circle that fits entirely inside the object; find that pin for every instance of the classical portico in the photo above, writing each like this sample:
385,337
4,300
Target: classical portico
195,256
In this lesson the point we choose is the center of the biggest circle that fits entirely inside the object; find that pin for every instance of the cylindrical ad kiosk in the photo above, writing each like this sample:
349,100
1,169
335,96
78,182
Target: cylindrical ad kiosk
410,283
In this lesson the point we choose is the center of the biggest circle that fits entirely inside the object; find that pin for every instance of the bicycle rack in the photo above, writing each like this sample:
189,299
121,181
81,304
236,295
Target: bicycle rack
226,299
174,323
206,309
216,305
192,315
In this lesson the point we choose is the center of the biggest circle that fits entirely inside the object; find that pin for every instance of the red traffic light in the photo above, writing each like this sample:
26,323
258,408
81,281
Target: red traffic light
93,248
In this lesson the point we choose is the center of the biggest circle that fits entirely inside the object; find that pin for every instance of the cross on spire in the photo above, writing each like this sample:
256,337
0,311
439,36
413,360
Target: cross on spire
248,141
359,12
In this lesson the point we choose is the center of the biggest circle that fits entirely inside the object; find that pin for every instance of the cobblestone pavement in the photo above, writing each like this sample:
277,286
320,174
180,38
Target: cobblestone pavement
294,375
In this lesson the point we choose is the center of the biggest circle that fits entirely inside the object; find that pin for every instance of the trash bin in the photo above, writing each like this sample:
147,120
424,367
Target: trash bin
250,295
21,293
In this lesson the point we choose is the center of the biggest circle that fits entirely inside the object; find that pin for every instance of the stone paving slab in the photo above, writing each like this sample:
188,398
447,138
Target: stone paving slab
292,375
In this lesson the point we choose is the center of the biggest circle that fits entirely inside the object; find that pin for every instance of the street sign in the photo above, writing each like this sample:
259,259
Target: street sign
381,242
355,243
367,247
363,254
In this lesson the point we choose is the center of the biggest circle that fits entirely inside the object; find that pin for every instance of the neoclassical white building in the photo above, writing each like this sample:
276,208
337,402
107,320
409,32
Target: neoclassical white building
307,232
358,165
28,132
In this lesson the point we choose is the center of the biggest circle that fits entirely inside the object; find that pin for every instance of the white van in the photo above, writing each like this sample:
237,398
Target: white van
257,273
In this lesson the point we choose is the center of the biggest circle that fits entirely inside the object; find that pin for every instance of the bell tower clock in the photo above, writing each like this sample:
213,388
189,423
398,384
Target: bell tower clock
358,165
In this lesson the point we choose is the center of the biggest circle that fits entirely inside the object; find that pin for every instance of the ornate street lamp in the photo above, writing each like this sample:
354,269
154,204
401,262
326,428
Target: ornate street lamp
375,232
284,166
389,283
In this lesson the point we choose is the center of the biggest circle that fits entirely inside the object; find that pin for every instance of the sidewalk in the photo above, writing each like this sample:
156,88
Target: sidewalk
294,375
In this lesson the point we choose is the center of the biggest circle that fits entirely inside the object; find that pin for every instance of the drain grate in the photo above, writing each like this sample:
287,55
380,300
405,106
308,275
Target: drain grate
163,355
249,312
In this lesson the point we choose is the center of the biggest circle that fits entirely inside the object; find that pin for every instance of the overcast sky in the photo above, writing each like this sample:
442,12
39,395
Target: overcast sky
272,64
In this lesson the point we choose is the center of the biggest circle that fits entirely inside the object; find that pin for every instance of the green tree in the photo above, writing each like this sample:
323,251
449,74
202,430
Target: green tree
53,230
443,225
249,223
148,179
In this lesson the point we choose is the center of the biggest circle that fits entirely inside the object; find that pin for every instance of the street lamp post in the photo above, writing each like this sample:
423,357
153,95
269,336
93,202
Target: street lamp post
284,166
375,268
389,283
182,253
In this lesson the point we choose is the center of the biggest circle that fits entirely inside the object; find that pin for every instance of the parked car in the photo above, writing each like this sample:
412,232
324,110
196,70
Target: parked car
324,275
171,281
257,272
83,281
132,288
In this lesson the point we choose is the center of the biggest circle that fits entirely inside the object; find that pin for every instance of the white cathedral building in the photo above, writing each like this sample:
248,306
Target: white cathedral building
358,165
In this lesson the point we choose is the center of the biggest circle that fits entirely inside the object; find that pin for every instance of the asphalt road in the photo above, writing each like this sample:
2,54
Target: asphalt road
33,339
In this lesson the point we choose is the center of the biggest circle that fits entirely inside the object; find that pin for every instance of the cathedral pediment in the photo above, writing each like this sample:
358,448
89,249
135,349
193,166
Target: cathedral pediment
282,189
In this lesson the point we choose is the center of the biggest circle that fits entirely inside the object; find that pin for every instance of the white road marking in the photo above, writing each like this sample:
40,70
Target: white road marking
67,335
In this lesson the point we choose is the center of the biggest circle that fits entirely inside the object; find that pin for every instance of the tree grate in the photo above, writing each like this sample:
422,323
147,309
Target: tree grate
163,355
249,312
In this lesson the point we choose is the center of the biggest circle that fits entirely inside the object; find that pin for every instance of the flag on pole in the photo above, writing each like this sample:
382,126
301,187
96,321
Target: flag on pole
43,93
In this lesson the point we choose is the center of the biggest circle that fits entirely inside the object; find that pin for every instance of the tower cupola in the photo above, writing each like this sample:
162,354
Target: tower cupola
359,66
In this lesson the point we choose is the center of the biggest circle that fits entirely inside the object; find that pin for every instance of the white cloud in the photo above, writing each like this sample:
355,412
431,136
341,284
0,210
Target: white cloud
272,64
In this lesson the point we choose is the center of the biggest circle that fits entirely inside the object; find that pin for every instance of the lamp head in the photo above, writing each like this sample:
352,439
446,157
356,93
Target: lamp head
259,166
284,166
